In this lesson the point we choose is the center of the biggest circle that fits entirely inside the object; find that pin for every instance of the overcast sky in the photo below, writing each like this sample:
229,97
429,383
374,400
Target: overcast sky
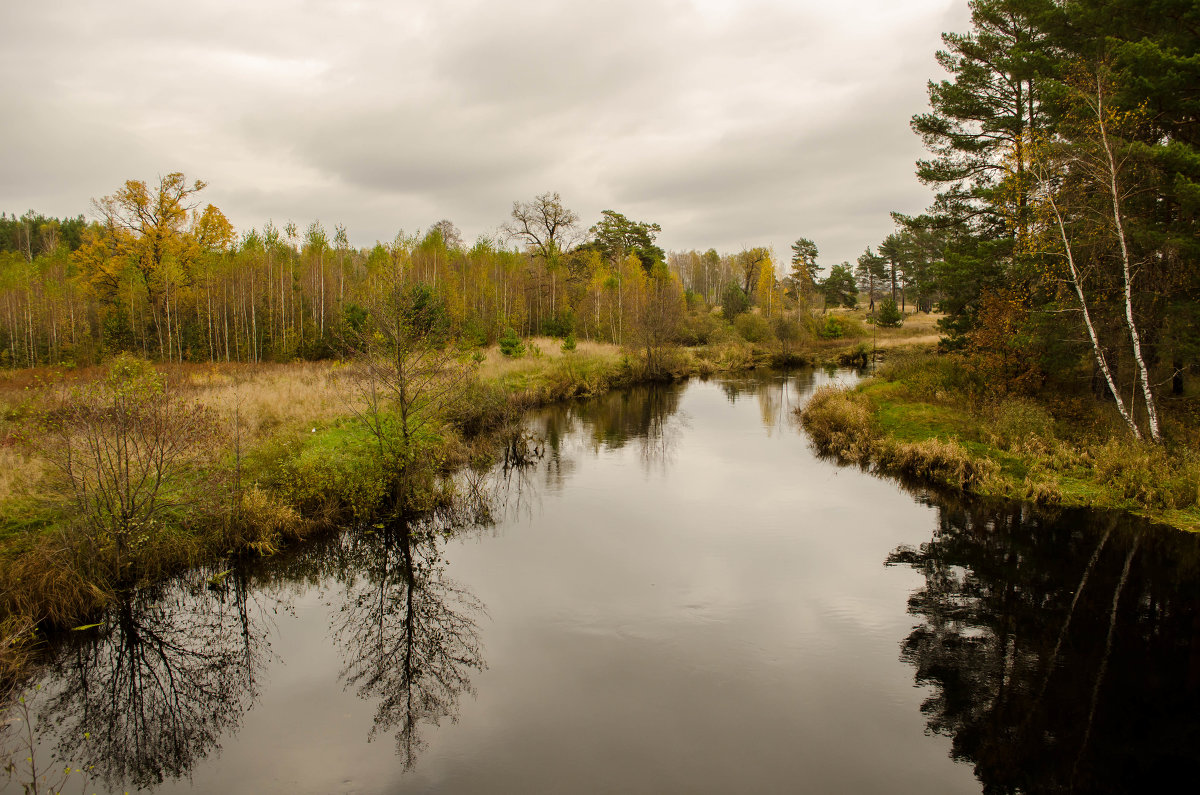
732,124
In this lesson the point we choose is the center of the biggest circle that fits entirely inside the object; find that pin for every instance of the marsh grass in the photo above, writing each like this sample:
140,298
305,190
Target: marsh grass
927,417
265,398
843,423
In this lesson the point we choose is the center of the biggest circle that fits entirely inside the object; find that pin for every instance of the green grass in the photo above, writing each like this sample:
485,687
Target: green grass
1022,451
22,516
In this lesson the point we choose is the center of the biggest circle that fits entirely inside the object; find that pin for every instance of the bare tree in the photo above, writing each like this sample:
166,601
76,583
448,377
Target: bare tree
127,450
544,225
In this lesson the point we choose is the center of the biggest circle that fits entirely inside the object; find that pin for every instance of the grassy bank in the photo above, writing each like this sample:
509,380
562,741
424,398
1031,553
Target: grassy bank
925,417
280,451
273,454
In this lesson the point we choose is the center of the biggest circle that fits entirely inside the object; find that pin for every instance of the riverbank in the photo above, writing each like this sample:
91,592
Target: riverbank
275,453
282,451
920,418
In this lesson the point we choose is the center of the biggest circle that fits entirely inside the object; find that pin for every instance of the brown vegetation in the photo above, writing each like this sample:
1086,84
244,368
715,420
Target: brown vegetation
938,420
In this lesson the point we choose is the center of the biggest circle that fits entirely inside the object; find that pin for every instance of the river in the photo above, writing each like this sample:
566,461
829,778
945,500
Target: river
678,595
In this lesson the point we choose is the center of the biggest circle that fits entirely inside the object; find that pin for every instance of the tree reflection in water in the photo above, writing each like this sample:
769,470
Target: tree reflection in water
409,634
778,395
646,415
1063,652
167,673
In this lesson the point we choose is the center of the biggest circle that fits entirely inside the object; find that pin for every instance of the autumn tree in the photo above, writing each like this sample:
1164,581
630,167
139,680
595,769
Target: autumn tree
1087,182
151,223
659,313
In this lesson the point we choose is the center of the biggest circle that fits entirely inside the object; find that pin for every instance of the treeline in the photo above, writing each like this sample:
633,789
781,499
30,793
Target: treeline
1064,146
162,275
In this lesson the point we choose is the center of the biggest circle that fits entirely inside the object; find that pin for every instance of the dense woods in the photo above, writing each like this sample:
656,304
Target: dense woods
163,275
1064,148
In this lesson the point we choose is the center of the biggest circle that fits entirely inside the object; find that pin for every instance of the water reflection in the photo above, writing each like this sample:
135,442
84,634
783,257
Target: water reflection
1063,652
778,395
409,635
154,688
647,416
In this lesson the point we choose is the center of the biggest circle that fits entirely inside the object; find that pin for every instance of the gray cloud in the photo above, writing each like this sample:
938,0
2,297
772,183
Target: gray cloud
730,123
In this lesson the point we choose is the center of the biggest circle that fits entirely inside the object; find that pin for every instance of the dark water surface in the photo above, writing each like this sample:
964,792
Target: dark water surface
677,597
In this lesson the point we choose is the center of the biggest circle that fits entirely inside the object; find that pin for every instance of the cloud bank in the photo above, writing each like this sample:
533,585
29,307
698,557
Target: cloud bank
729,123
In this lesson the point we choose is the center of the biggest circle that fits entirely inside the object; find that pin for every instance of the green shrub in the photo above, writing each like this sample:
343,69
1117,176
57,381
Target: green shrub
1021,425
560,325
889,314
338,467
734,301
1148,473
788,331
511,345
832,328
568,344
752,327
478,407
699,328
934,377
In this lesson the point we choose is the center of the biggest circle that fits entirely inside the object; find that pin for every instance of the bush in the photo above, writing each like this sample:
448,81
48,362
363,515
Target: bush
1148,473
559,326
1020,424
933,377
734,301
130,457
700,328
860,356
568,344
752,327
474,333
889,314
833,327
478,407
788,331
939,461
511,345
335,470
842,423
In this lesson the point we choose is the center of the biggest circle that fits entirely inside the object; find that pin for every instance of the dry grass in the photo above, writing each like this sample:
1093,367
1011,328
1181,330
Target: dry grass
265,397
842,423
921,325
496,366
20,472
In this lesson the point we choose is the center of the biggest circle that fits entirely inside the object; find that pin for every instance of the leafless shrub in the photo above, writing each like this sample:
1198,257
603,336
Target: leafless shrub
128,454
